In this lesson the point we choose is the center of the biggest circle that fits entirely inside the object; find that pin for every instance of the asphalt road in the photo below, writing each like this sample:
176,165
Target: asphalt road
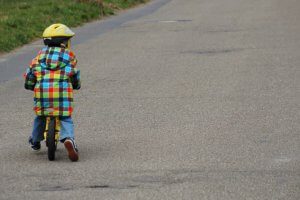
198,100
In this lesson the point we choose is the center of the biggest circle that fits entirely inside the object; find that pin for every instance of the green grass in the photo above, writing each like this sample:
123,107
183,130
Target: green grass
123,4
21,21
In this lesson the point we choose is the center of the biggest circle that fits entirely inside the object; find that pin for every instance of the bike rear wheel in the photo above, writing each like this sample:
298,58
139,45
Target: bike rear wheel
51,143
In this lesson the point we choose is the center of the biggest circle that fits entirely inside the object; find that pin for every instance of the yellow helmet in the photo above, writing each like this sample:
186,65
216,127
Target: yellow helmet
58,35
58,30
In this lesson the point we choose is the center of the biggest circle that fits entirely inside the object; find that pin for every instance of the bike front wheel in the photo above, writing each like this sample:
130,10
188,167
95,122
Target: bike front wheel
51,143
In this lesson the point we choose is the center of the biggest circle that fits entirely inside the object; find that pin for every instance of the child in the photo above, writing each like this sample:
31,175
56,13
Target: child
53,75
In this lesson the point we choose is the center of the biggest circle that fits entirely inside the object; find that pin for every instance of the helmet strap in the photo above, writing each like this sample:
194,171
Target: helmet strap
69,44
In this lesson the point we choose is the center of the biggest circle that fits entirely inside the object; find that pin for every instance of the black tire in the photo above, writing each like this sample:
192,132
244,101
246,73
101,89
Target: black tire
51,139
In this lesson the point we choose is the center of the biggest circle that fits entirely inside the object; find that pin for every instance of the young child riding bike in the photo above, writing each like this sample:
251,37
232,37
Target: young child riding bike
53,75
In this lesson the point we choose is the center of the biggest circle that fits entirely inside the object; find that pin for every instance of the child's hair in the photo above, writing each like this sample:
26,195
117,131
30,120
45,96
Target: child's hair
56,41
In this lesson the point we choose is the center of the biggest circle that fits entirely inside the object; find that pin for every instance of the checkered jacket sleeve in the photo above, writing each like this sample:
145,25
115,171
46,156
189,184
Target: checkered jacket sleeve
75,74
30,78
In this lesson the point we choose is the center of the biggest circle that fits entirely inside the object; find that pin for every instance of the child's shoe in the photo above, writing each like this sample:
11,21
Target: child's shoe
35,146
71,148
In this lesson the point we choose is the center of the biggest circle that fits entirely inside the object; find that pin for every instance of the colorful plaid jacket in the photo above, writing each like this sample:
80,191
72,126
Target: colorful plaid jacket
53,75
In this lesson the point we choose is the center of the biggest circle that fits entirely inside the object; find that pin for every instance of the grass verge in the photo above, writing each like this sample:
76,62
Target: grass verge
21,21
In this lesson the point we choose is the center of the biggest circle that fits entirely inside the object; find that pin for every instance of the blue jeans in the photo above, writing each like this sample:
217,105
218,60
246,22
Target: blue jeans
39,124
